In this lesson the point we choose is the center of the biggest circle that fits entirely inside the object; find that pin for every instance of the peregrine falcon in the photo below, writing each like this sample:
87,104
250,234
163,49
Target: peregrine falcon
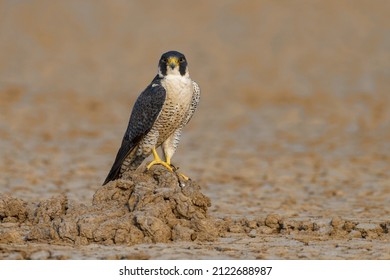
158,117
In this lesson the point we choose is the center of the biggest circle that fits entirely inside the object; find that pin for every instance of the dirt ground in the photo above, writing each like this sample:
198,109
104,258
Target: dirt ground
289,151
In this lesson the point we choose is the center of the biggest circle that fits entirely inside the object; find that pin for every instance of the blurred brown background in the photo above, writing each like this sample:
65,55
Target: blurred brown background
294,118
280,80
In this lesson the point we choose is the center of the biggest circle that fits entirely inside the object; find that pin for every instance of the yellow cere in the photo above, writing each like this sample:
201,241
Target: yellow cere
173,60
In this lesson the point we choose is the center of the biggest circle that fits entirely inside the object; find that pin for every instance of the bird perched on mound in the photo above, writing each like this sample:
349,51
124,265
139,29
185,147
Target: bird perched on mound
158,117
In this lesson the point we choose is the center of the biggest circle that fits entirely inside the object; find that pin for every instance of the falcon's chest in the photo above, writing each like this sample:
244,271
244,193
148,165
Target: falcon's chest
179,89
179,92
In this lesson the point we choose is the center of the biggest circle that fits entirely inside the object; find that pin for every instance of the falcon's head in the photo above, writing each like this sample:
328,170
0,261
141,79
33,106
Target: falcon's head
172,63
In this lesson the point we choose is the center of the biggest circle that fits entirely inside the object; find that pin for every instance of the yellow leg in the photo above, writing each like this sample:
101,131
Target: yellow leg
157,160
166,164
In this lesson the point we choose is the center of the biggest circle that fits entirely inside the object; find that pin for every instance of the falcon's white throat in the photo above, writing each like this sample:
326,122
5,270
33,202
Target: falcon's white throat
175,71
178,86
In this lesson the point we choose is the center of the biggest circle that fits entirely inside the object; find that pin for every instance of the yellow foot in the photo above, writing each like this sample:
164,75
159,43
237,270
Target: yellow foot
163,163
157,160
184,176
167,164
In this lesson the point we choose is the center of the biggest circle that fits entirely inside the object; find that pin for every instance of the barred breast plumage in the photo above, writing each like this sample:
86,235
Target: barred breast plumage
173,114
158,117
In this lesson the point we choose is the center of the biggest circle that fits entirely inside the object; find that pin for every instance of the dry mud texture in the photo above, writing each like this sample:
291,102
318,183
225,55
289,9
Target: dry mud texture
290,143
156,206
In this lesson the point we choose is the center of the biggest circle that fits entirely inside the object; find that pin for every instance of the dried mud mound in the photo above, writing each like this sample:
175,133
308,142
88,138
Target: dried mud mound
156,206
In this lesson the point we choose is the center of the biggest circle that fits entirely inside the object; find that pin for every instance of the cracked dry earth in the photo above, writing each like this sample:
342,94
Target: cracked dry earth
148,210
289,150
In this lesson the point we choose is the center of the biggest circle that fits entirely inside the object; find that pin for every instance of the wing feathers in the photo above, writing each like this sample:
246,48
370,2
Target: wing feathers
145,112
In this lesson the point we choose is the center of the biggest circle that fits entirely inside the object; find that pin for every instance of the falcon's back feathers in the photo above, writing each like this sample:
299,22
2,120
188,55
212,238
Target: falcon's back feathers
158,117
145,111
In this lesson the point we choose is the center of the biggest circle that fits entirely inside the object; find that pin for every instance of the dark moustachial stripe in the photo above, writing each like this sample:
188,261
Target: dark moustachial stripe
182,67
163,68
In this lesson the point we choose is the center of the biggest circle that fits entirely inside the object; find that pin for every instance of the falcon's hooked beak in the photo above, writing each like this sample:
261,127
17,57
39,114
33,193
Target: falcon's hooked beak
173,62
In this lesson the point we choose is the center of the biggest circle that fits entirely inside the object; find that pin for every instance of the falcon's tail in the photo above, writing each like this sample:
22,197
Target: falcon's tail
112,175
125,160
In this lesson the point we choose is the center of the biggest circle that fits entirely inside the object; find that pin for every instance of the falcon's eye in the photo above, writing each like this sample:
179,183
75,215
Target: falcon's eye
163,60
182,59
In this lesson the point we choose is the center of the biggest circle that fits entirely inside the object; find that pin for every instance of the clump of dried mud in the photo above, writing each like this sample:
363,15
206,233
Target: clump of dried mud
159,207
155,206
